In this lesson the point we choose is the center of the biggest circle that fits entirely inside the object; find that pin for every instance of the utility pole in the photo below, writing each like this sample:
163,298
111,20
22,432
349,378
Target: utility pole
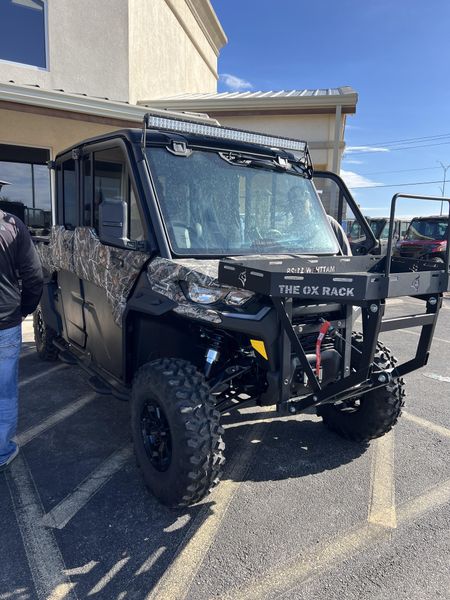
444,168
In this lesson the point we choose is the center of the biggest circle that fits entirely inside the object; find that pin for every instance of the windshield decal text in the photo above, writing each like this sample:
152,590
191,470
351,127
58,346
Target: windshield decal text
317,269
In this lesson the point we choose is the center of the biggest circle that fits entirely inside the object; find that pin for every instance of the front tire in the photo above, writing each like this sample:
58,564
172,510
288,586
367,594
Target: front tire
375,412
435,259
176,432
43,337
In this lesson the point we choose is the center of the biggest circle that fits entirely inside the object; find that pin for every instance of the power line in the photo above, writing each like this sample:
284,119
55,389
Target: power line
358,152
366,187
399,171
416,139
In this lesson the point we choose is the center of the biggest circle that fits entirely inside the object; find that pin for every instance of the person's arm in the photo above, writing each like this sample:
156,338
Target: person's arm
29,269
340,236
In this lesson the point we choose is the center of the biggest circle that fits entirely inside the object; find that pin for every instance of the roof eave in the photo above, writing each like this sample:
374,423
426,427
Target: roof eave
12,93
250,104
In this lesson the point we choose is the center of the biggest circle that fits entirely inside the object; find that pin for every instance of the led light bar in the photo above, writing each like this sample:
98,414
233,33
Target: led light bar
187,126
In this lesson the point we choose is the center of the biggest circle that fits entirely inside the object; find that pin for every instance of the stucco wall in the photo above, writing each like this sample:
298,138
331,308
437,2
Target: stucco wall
126,50
169,53
45,132
87,55
311,128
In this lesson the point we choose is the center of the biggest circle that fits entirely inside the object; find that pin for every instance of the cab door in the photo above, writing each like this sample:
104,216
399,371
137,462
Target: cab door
340,204
107,180
69,284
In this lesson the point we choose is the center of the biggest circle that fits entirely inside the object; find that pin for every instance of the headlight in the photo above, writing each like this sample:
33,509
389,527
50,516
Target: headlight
238,297
205,295
210,295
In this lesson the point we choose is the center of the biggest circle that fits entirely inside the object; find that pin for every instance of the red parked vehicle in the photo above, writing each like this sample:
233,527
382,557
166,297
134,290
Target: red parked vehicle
425,239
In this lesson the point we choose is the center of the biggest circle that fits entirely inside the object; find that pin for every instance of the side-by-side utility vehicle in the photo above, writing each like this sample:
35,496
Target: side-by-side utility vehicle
193,270
380,228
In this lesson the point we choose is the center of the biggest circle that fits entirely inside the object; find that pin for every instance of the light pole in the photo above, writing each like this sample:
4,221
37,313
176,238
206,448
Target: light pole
443,183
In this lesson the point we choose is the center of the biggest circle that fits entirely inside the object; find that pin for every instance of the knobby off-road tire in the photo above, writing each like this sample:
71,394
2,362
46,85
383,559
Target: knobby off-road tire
435,259
375,412
43,337
176,432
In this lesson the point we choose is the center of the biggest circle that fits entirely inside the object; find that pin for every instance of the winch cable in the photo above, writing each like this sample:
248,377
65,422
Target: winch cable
322,333
335,333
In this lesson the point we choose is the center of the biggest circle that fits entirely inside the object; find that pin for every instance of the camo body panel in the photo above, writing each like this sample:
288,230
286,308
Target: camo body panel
80,251
164,276
115,270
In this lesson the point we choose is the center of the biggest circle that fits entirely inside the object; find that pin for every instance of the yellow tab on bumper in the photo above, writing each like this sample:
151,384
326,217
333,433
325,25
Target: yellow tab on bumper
259,346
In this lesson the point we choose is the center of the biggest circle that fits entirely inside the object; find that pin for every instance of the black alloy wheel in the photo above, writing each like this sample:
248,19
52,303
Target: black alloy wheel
156,435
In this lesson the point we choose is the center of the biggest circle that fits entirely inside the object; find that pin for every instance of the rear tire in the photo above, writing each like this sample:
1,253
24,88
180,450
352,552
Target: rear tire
43,337
374,413
435,259
176,432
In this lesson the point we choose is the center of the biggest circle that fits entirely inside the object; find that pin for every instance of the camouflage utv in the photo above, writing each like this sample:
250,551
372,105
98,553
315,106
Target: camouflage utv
193,270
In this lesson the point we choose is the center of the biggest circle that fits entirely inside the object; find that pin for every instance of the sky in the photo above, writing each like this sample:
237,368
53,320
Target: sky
394,53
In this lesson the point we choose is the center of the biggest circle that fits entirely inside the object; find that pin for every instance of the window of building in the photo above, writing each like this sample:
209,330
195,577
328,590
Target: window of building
23,33
112,182
28,178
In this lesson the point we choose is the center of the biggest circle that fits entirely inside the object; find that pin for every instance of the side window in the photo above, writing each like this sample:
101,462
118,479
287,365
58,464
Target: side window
134,218
112,182
404,228
385,232
70,196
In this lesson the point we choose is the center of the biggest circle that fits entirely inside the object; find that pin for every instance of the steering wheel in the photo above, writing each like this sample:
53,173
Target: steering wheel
272,233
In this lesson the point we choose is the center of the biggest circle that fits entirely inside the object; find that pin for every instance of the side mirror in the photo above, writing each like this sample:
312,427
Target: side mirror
113,221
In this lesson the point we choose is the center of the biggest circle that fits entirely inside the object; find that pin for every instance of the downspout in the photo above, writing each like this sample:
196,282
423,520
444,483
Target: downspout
337,135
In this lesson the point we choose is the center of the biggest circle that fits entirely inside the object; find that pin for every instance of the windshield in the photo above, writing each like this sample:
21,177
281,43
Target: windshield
213,207
422,229
380,229
356,232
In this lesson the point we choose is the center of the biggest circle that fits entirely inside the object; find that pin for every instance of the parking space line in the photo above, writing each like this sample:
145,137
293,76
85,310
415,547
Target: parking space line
29,434
382,483
176,581
109,576
439,495
44,557
427,424
63,512
281,581
29,380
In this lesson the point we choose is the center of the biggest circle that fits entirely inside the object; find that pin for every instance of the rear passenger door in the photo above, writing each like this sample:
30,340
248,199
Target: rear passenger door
68,215
106,177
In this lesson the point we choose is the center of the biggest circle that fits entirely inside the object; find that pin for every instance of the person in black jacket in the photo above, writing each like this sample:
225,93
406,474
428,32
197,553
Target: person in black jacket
20,291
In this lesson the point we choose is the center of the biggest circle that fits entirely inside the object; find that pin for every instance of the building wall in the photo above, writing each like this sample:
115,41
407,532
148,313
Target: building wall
126,50
56,134
169,52
315,129
86,55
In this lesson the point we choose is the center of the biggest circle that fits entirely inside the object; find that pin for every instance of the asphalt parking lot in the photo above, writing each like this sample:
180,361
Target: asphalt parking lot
300,513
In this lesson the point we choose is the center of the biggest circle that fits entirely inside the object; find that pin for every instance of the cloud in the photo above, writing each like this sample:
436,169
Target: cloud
353,180
357,149
235,83
353,161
